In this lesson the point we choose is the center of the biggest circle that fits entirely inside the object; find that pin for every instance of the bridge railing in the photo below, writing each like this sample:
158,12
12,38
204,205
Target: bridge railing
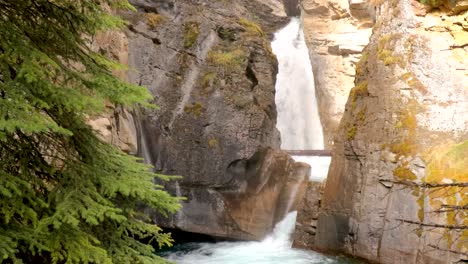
309,152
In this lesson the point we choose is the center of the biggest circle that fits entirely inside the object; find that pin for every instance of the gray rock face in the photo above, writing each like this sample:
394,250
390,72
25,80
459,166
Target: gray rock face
258,196
211,70
307,216
401,152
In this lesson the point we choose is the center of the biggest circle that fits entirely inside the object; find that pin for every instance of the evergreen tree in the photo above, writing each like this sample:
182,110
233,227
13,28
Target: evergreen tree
66,196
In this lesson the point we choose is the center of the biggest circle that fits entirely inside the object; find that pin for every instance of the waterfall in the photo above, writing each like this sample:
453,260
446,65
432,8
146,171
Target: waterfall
300,127
276,248
298,118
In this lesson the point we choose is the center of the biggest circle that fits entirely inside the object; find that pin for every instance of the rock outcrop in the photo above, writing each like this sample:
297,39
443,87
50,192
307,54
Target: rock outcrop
116,124
212,73
397,187
307,216
336,32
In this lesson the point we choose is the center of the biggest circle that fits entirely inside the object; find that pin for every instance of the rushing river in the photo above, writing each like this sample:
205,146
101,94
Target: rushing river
275,249
299,124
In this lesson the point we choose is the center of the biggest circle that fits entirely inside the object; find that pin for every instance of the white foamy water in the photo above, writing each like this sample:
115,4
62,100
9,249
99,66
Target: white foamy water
275,249
298,118
319,166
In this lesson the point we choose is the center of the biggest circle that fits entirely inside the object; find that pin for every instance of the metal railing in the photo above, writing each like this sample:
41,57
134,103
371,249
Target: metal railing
309,152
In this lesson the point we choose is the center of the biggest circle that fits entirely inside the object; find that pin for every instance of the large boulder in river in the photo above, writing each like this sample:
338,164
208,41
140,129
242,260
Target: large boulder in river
397,187
259,191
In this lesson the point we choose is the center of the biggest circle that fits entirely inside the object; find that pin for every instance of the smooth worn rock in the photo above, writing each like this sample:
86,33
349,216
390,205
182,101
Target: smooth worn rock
116,126
403,134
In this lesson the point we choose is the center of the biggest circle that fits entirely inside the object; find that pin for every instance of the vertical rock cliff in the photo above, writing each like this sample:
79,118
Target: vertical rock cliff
397,187
336,32
212,73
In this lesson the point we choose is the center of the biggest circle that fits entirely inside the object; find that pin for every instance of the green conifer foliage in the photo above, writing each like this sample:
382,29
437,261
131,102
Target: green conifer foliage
66,196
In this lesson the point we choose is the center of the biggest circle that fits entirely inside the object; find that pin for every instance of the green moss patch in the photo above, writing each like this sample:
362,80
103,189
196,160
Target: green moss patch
359,90
351,132
230,60
362,63
402,172
191,32
207,82
196,109
251,28
385,48
406,125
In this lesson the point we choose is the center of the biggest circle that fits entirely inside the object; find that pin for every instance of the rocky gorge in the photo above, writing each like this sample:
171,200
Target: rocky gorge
391,84
396,188
211,70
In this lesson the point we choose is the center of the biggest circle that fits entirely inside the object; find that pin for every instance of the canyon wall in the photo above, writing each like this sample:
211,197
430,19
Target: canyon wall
211,71
335,32
397,187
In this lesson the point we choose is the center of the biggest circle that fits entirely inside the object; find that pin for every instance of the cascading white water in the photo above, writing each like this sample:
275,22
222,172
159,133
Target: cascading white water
274,249
299,124
298,118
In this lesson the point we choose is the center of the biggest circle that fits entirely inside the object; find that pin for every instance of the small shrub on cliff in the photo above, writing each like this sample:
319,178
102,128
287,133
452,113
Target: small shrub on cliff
66,196
227,59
